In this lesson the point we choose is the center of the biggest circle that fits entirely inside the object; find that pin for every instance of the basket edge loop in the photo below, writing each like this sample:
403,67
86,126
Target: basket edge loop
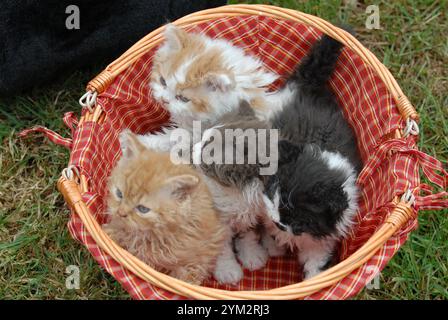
88,100
411,128
69,190
402,213
101,81
406,108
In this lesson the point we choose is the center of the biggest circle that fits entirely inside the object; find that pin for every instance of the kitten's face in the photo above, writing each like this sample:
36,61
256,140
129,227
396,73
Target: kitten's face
139,207
190,77
144,192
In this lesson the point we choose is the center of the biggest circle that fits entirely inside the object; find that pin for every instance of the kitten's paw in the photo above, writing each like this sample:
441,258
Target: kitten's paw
228,272
272,247
194,276
310,272
313,268
251,254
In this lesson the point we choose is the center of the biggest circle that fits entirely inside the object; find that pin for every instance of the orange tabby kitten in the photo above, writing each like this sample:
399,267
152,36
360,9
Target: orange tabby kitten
163,213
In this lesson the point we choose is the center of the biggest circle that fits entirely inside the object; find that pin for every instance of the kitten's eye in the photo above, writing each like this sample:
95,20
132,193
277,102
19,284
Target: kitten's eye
142,209
119,194
162,81
182,98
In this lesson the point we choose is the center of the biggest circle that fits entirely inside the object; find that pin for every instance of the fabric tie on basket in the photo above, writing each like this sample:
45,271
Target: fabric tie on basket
429,165
430,201
54,137
70,121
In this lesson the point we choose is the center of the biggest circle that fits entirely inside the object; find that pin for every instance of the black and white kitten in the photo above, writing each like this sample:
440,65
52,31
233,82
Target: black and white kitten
315,186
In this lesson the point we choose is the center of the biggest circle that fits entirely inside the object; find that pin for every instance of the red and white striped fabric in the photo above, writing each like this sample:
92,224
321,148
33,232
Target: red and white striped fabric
280,44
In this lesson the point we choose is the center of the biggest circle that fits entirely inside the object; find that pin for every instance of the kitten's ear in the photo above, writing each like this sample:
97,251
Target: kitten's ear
219,81
175,37
182,185
129,143
245,109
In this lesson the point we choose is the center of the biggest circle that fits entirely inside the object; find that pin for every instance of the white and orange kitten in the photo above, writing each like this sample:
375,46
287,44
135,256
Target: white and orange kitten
196,77
163,213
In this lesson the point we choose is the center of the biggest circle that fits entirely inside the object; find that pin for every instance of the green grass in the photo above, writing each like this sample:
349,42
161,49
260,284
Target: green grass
35,247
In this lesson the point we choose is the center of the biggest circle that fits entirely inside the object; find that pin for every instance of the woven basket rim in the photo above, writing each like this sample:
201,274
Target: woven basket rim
72,188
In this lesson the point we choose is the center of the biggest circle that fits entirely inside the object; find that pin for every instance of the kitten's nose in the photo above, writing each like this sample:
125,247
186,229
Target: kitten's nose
122,213
164,101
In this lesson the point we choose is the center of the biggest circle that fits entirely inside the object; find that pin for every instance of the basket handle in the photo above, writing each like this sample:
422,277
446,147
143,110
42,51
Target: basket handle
106,77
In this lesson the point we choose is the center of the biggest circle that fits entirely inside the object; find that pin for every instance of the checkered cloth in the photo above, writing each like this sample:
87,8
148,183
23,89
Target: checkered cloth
280,44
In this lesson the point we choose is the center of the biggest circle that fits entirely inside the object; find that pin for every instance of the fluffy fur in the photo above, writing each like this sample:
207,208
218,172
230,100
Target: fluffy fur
163,213
319,162
238,188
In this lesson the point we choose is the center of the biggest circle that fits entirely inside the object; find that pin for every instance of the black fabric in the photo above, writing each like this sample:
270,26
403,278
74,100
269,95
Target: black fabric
36,47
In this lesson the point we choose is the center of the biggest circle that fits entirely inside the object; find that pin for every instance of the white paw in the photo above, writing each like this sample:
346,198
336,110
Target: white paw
272,247
310,272
316,262
228,271
312,268
251,255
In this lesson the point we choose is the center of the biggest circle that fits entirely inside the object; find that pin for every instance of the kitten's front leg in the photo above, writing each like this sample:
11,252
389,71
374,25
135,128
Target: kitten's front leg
315,255
250,252
272,215
271,246
228,270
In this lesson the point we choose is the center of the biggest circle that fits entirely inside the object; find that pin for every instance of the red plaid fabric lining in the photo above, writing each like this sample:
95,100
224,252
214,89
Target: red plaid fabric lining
280,44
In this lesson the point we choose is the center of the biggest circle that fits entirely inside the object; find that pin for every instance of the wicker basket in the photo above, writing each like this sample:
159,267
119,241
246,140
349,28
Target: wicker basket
387,130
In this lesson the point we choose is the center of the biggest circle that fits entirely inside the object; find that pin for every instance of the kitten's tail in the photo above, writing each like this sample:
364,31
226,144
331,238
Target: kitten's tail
317,66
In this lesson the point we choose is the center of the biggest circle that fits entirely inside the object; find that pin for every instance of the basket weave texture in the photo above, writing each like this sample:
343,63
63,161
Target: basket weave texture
371,100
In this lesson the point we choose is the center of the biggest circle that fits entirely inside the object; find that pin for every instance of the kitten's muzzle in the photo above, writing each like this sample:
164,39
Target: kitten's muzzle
122,213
